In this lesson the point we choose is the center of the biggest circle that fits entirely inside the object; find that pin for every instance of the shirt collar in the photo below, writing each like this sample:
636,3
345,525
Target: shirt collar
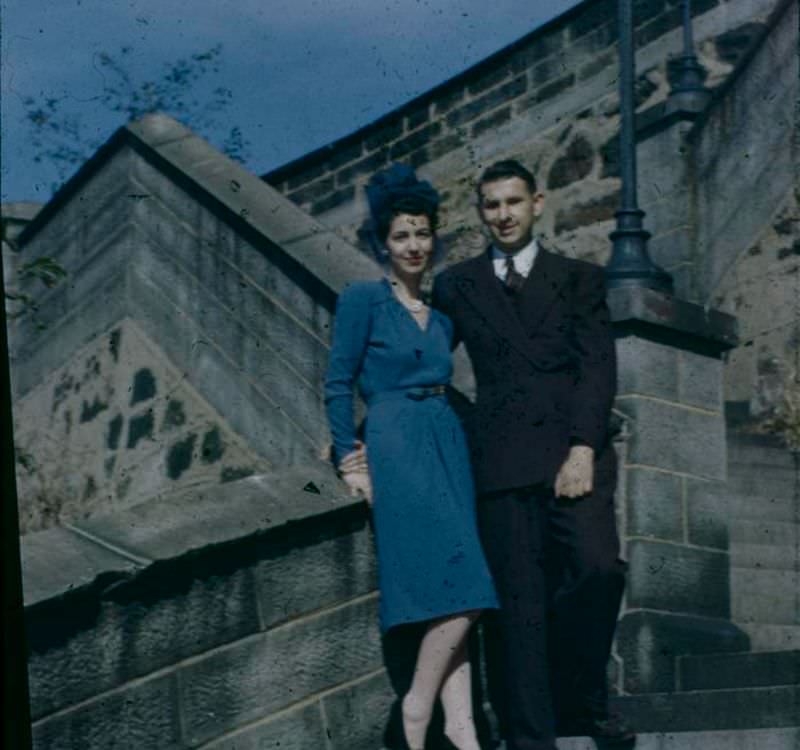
523,259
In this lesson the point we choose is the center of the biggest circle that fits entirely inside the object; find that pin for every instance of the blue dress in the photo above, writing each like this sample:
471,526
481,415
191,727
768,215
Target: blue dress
430,560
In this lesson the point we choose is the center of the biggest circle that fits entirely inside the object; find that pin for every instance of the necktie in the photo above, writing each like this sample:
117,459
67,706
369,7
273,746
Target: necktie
514,279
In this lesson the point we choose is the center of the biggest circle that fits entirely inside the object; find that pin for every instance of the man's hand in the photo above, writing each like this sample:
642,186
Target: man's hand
576,476
355,461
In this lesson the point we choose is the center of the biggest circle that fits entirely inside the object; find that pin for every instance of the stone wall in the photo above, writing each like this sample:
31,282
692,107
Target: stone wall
748,190
188,342
134,427
239,617
550,100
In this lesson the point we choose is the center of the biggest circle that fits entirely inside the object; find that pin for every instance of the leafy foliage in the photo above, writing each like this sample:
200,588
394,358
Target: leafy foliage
785,421
43,269
65,140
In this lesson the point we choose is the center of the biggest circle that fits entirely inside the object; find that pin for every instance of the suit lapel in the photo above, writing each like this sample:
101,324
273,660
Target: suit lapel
542,287
480,288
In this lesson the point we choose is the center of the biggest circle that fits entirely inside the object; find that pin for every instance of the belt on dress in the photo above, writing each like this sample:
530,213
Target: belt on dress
418,393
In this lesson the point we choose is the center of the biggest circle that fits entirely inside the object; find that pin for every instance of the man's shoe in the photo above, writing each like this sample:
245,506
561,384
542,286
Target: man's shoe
609,732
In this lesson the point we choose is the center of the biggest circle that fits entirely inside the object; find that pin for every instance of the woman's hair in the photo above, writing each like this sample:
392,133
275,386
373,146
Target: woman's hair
407,204
392,192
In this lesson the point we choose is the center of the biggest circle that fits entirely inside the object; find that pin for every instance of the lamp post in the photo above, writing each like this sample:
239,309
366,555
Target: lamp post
686,74
630,265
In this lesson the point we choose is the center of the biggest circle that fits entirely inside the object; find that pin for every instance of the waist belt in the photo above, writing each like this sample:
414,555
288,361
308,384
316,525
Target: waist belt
415,394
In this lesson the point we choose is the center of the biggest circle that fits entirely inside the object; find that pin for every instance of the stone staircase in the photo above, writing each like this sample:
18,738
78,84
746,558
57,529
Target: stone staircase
764,507
741,701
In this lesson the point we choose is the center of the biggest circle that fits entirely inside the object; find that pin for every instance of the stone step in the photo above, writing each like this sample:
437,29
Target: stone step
766,637
764,532
764,507
725,671
705,710
764,557
765,596
759,482
758,451
743,739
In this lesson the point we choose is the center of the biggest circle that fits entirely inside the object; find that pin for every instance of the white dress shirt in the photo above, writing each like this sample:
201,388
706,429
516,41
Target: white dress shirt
523,260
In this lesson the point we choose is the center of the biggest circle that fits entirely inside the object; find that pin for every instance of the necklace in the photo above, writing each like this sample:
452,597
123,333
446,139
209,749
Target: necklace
412,305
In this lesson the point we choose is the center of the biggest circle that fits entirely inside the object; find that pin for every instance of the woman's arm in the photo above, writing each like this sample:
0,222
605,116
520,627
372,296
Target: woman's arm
350,337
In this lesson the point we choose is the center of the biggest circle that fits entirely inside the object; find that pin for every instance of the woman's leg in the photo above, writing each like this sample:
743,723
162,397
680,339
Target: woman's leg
456,696
439,645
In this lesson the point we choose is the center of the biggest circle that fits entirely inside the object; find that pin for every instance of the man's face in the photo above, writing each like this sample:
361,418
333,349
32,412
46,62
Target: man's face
509,210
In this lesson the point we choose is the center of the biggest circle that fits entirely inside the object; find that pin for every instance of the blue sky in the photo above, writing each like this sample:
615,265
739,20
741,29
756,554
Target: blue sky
302,72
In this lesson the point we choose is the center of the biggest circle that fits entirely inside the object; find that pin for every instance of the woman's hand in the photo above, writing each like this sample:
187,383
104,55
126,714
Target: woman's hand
359,485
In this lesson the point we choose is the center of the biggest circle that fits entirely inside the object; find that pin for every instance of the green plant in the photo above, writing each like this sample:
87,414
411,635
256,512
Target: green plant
785,420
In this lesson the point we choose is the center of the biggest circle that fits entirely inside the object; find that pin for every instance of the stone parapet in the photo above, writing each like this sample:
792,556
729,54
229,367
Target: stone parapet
227,615
673,507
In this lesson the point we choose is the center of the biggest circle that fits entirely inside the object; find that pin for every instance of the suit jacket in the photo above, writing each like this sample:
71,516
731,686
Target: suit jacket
545,371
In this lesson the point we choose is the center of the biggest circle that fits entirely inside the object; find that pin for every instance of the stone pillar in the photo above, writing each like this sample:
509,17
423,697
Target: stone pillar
672,505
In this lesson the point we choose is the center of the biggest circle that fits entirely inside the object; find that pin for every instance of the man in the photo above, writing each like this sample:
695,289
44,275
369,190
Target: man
536,327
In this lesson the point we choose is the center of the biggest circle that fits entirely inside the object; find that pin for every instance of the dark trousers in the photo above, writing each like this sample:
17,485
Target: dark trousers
560,581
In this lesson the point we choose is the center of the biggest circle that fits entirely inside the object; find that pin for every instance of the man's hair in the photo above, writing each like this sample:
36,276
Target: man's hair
504,170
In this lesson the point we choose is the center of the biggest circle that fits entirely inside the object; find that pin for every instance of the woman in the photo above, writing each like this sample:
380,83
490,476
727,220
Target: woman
431,566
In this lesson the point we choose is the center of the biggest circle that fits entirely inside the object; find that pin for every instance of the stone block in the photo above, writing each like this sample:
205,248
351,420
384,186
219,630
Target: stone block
491,122
674,437
768,596
494,98
650,642
268,347
674,578
700,381
592,17
316,575
157,621
654,503
666,214
261,675
726,671
333,200
54,346
538,48
647,368
707,513
366,166
356,715
384,133
249,409
750,708
57,561
294,729
137,716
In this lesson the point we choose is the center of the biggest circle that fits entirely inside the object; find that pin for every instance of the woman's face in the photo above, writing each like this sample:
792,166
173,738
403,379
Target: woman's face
410,244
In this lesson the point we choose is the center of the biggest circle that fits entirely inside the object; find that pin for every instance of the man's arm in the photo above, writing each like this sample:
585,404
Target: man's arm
595,353
593,345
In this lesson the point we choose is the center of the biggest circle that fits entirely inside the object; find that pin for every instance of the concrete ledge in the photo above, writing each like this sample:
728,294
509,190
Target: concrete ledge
653,314
59,565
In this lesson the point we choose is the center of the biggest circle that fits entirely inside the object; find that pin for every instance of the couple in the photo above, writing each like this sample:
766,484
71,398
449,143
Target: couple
538,550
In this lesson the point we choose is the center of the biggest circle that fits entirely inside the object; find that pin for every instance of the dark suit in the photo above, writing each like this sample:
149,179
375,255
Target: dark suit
545,370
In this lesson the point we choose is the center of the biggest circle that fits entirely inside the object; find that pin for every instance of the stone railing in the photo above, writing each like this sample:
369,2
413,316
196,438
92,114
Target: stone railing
240,616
